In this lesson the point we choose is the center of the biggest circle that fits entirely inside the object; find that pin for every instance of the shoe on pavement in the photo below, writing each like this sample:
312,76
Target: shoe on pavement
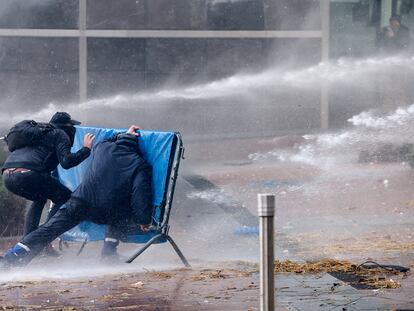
18,255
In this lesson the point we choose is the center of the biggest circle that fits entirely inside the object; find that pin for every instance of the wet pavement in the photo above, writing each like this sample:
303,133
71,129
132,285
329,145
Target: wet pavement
224,286
353,211
358,211
317,293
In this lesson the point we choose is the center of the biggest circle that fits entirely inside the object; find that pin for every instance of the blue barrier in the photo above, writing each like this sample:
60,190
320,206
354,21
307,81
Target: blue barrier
163,151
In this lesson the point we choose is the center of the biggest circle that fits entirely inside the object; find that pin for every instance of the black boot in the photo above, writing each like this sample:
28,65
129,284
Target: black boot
109,252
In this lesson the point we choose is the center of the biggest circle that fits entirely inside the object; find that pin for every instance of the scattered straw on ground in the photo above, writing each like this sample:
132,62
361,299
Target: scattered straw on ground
323,266
160,275
210,274
379,282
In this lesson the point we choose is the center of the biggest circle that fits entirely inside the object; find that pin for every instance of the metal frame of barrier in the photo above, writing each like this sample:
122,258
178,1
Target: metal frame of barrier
176,155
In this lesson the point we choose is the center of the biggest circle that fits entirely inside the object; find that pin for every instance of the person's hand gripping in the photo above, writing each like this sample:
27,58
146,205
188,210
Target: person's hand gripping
88,140
132,130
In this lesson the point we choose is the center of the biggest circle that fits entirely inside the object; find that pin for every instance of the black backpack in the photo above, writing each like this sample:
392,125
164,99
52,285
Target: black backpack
26,133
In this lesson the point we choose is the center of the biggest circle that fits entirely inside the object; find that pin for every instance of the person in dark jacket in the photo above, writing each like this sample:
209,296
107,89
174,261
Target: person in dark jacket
116,191
394,38
27,171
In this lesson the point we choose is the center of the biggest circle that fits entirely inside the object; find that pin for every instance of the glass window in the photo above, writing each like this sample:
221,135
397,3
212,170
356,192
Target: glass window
146,14
30,91
175,55
116,54
235,15
8,54
36,71
293,52
292,14
115,14
178,15
38,54
56,14
47,54
115,65
352,30
109,83
229,56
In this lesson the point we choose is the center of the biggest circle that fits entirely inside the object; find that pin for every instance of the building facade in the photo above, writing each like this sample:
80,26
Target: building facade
67,51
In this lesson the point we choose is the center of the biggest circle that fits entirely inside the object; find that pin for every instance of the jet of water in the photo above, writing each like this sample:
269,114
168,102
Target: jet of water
368,130
262,86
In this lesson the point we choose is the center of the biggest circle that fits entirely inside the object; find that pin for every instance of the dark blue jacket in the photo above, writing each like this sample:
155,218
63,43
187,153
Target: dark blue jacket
118,183
54,149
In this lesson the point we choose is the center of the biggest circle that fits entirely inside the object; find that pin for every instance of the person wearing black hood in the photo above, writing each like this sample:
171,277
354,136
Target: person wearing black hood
27,171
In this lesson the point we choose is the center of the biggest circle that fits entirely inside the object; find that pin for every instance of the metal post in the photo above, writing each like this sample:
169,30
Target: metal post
266,210
386,12
83,53
325,21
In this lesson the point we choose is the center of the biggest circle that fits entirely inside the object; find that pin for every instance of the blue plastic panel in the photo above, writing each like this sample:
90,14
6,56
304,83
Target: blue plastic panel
156,149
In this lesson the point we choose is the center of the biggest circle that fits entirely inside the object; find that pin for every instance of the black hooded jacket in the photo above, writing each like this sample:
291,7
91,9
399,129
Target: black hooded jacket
45,157
118,183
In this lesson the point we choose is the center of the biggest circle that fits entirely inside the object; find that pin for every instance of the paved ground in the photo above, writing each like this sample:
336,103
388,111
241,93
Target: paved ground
356,211
231,288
